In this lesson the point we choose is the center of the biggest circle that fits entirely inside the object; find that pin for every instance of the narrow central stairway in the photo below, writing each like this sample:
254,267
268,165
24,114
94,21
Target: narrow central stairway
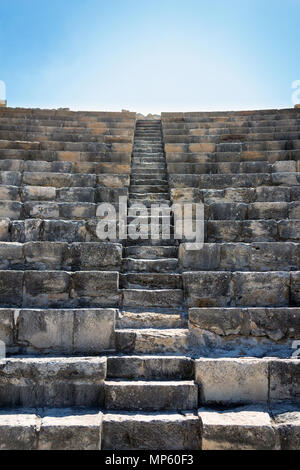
153,319
151,376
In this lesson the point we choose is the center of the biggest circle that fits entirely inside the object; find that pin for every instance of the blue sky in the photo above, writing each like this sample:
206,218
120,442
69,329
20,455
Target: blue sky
150,55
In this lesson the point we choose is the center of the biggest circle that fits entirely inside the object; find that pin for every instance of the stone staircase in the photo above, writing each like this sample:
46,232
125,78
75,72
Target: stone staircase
143,344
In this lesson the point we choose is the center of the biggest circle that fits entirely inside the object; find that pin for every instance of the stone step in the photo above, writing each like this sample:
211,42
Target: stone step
230,137
216,231
53,209
167,242
270,156
44,255
141,159
158,319
68,170
62,180
64,122
150,173
254,332
51,429
152,298
242,195
150,396
267,428
249,231
150,266
241,289
235,130
141,252
62,146
47,193
67,155
274,427
260,256
150,280
59,289
148,202
289,166
150,368
153,196
52,382
143,138
146,189
242,381
162,219
147,153
137,181
44,332
151,431
210,122
232,147
241,180
149,166
148,147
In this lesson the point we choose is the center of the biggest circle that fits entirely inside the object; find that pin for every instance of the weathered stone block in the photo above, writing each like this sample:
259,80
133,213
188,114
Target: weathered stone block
269,289
97,256
273,256
10,210
7,326
207,289
80,210
64,231
18,430
148,396
46,289
284,380
75,194
99,289
38,193
11,288
286,422
220,321
11,255
294,210
41,210
54,382
295,288
45,255
228,211
226,381
94,330
4,230
208,258
141,431
70,430
111,195
268,210
46,330
289,230
248,428
234,256
259,231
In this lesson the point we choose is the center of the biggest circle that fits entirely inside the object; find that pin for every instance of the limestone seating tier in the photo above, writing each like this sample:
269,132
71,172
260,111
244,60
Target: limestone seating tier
142,344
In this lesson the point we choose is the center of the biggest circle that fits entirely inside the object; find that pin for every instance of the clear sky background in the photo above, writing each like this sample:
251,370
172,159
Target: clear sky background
150,55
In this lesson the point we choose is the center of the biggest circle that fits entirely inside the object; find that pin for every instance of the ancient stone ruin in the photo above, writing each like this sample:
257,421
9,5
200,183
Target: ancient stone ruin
129,344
